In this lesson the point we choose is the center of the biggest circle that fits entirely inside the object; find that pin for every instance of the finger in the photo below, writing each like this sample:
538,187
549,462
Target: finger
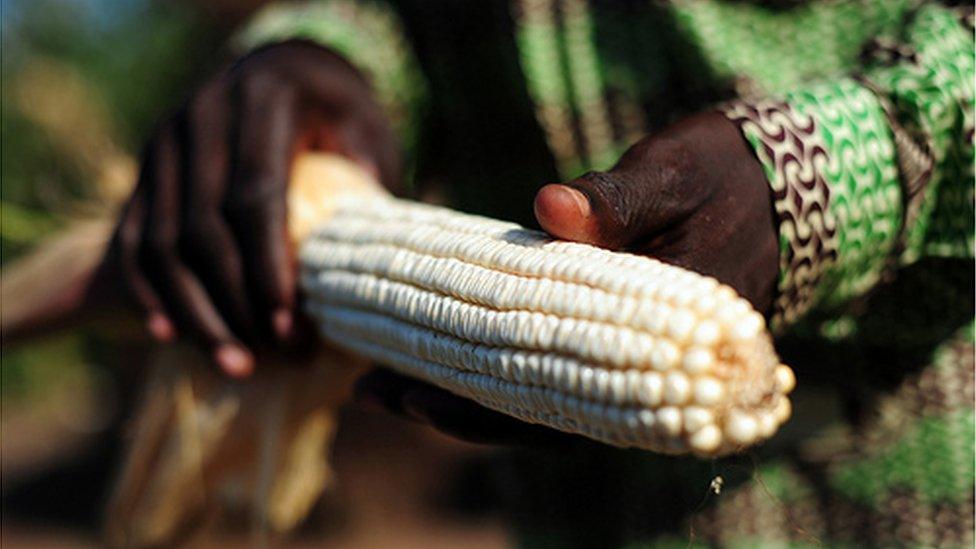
351,122
383,389
451,414
255,203
368,140
469,421
207,244
566,213
656,185
612,209
127,238
187,299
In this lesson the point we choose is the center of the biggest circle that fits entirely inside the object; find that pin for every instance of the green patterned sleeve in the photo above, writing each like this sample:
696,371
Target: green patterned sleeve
368,34
870,172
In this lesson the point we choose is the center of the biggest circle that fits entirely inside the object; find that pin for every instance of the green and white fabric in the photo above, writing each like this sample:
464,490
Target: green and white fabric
842,189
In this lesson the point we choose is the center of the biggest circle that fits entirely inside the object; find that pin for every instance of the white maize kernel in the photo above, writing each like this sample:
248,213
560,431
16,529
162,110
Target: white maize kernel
698,360
633,385
767,425
707,439
677,388
664,356
697,417
728,314
618,387
707,333
651,389
709,391
705,303
680,325
659,315
669,420
647,420
783,410
741,428
748,327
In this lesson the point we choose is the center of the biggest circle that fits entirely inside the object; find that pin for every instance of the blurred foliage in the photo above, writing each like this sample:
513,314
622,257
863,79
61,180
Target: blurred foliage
43,366
138,57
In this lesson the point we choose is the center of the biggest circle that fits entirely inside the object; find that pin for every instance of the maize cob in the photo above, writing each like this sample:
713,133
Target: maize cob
620,348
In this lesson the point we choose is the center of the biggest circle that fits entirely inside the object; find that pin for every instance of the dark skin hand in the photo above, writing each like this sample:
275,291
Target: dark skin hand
692,195
202,244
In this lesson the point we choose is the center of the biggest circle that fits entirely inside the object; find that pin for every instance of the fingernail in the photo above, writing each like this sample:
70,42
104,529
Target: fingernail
573,196
565,212
282,322
560,209
160,328
234,361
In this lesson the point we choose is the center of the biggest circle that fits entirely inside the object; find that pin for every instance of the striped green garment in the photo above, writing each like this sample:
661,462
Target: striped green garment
861,113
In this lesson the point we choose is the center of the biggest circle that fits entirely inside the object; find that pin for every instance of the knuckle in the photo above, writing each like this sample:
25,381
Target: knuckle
664,178
256,83
659,162
677,163
211,93
611,194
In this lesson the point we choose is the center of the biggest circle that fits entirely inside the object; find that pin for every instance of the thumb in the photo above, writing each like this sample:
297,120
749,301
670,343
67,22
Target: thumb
651,189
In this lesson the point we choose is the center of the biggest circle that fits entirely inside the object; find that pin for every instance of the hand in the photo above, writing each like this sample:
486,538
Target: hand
203,243
692,195
450,414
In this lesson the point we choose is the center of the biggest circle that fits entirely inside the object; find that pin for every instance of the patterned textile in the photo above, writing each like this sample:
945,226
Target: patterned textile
932,92
853,200
882,147
793,155
861,113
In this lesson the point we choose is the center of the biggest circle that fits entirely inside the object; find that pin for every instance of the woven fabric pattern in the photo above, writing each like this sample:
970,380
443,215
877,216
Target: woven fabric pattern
871,179
793,155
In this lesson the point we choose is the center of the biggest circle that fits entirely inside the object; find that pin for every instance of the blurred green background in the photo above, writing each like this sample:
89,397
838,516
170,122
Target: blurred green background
83,80
83,83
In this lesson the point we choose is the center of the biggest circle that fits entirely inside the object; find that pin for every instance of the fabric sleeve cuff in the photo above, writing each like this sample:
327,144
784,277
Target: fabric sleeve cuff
829,156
